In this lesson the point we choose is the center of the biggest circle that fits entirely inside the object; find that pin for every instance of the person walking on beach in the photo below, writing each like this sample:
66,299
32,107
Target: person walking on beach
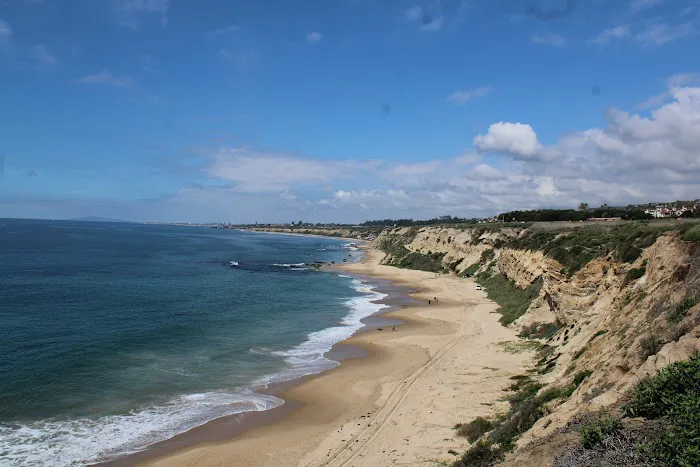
428,301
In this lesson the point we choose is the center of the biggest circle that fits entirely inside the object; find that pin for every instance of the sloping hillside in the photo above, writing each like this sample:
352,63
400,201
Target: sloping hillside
608,305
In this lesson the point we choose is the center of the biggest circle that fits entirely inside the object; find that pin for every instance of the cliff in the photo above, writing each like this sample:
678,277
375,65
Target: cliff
608,305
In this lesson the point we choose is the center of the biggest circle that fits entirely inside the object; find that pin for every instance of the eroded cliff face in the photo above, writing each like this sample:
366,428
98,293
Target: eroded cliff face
611,318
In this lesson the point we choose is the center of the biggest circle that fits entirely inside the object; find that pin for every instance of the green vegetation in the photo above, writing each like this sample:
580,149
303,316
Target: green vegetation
540,331
673,397
594,432
431,262
513,301
471,270
475,429
394,245
650,345
526,407
634,274
487,255
581,376
563,215
599,333
514,347
692,235
576,248
483,453
681,310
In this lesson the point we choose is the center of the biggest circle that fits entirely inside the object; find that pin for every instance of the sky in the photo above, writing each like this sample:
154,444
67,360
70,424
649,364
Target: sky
344,110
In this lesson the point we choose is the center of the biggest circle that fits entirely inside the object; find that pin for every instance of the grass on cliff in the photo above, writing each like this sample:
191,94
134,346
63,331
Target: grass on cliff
513,301
673,398
431,262
576,248
526,407
661,424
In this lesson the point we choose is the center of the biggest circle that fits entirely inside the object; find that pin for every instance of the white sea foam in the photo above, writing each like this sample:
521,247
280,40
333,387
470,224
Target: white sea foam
82,441
308,357
287,265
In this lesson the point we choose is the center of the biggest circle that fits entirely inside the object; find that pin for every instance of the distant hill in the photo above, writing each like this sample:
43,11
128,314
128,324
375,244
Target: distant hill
96,219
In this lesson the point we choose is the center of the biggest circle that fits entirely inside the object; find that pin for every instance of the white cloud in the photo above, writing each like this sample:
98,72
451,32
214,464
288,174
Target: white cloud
683,79
225,30
5,29
130,11
673,81
462,97
419,168
242,59
107,78
486,172
638,5
632,158
427,22
415,13
659,34
516,139
432,24
5,33
554,40
604,38
468,158
42,54
147,6
314,37
259,172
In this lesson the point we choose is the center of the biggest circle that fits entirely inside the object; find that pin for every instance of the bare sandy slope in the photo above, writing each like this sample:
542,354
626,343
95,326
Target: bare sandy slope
399,404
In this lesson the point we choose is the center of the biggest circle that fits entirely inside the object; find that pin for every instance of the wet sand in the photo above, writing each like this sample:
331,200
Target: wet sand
393,400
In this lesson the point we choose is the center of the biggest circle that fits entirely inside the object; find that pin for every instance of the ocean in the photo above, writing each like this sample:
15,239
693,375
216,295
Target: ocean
114,336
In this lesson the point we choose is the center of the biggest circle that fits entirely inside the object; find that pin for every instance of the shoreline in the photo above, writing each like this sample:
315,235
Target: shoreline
228,426
396,403
359,241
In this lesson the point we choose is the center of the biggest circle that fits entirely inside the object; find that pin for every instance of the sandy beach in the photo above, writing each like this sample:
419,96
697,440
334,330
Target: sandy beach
396,405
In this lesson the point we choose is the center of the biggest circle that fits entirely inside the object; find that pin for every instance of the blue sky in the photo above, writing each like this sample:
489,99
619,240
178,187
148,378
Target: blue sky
344,110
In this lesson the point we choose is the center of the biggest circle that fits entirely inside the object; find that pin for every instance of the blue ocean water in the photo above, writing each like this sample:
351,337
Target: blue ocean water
116,336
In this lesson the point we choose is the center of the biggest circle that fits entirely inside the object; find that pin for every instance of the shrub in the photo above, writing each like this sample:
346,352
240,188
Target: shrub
475,429
481,454
576,248
471,270
680,442
513,301
599,333
650,345
413,260
673,396
682,309
581,376
487,255
634,274
540,331
593,433
656,396
578,353
692,235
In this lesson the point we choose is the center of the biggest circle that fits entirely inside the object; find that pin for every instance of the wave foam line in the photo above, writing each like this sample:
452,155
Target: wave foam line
308,358
83,441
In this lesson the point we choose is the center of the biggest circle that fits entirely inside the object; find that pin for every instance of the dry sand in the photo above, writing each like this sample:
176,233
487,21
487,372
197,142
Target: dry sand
397,405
